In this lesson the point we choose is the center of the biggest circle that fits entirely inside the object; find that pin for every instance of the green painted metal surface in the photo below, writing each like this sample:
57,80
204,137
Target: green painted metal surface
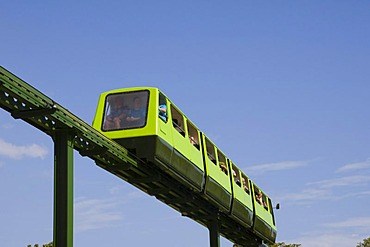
27,103
63,189
68,132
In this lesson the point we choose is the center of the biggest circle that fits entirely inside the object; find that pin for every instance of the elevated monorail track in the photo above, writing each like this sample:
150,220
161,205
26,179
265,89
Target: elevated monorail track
69,132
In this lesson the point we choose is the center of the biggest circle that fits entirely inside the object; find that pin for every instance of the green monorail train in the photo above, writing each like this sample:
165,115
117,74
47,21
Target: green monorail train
146,122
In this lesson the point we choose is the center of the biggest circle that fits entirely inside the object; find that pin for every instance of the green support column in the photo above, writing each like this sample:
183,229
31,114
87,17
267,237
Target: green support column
63,189
214,233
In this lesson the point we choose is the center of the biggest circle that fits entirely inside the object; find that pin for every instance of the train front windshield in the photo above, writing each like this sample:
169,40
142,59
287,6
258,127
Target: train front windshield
125,110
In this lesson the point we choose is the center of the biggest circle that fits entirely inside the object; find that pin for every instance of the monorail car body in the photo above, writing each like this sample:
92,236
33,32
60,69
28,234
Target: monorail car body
147,123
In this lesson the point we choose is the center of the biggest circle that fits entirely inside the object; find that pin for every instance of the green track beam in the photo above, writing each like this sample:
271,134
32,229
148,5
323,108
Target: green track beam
63,189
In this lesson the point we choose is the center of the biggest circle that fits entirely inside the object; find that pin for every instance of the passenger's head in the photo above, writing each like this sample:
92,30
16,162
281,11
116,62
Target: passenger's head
118,101
137,102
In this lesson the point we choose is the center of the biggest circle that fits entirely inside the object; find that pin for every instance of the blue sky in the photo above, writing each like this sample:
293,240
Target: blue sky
282,87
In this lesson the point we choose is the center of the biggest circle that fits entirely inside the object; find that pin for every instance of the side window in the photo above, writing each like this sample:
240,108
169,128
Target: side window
236,175
211,151
193,135
222,162
261,198
162,108
264,201
245,184
258,195
177,121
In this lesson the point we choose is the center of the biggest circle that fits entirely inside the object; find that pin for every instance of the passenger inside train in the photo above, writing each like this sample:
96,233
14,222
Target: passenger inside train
136,114
162,108
259,197
193,135
116,114
245,184
236,176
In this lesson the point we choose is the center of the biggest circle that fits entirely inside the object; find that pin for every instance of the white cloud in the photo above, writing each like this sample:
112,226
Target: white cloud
355,166
344,181
327,240
307,195
96,213
326,190
17,152
7,126
278,166
362,224
348,232
363,193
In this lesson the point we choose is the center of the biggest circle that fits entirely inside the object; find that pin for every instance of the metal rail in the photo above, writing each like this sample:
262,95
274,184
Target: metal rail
27,103
70,132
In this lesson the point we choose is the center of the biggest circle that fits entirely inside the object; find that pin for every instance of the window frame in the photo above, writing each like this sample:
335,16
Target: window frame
178,126
162,97
107,108
248,191
237,177
193,134
212,154
224,169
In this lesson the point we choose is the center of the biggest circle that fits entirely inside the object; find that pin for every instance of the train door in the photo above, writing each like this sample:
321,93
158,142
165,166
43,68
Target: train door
164,147
195,152
242,207
218,185
184,159
263,222
180,143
